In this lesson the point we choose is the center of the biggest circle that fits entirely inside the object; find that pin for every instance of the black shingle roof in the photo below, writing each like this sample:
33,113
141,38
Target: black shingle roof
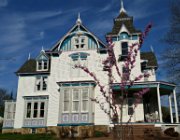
29,67
150,56
123,18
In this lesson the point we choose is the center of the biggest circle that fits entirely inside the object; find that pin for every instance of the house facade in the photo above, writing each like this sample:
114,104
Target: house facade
52,92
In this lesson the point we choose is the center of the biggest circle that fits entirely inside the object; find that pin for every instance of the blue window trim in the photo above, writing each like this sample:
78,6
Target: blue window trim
75,124
34,126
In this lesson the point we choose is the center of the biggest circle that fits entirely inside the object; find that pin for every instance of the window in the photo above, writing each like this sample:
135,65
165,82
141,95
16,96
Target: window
35,111
85,97
75,104
75,100
125,72
35,108
42,109
10,108
42,65
130,106
80,42
42,62
124,54
41,83
28,113
66,100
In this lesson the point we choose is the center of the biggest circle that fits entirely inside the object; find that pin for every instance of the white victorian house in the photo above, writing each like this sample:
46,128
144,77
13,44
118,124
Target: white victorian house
52,93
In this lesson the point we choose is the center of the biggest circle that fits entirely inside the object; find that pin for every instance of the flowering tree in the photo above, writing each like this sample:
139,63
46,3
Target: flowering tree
115,103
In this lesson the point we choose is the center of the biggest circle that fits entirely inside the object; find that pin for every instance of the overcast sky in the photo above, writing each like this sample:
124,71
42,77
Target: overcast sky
27,25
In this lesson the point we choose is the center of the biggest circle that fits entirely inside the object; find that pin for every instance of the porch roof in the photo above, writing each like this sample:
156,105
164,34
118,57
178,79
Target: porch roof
149,84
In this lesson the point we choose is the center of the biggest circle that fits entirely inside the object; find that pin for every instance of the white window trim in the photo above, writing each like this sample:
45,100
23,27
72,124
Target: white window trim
79,38
78,100
32,109
84,100
41,83
12,110
69,92
42,67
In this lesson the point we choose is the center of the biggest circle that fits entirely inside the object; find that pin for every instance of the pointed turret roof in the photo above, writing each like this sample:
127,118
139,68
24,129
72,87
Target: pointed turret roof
123,19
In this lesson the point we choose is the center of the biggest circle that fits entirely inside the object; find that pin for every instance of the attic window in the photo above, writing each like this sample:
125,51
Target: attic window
42,63
79,42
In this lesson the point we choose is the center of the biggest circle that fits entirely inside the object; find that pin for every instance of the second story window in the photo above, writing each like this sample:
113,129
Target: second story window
124,53
41,83
125,72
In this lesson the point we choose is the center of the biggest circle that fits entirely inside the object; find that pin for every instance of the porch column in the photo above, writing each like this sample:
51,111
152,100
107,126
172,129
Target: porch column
170,108
175,105
159,104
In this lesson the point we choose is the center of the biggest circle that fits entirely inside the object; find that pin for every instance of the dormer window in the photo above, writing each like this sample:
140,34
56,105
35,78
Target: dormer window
42,62
79,42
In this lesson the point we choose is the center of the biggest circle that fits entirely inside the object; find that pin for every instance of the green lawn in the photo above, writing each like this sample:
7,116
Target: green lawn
27,137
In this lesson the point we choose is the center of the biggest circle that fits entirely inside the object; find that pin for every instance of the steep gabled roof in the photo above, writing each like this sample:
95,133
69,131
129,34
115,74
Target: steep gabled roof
127,21
74,28
151,59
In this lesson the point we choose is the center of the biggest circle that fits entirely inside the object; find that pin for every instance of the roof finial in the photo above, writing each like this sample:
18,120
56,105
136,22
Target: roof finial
122,7
29,57
78,21
152,49
42,49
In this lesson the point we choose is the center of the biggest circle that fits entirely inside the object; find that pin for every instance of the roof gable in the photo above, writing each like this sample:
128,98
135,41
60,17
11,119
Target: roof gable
77,29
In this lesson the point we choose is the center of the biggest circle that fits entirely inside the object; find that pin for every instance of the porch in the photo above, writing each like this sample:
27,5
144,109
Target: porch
152,105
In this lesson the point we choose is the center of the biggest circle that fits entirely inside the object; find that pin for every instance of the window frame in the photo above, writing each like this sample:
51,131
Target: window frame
124,49
32,102
69,92
79,41
10,109
84,100
41,81
76,100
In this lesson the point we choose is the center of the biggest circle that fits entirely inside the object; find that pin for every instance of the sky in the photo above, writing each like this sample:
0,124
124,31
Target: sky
27,25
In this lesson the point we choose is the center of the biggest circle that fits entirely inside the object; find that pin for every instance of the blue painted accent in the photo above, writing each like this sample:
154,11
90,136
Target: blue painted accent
134,37
114,39
91,43
75,124
34,127
78,84
81,55
66,44
166,87
163,86
124,35
117,87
